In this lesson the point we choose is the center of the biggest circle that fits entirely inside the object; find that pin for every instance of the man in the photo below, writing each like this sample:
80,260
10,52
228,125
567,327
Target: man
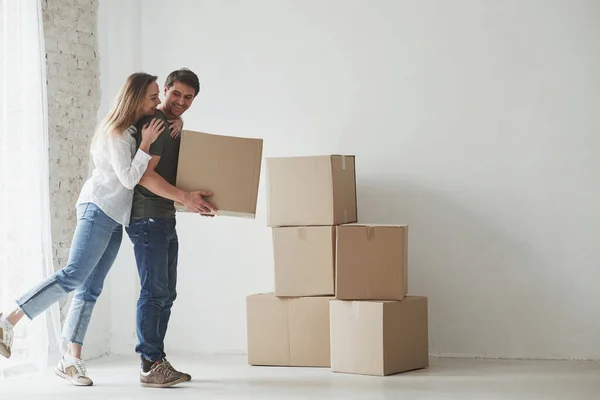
152,231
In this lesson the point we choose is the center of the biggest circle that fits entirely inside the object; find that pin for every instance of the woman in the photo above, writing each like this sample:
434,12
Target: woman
103,207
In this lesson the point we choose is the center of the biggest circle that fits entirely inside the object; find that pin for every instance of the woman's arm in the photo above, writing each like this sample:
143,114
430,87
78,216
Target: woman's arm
129,171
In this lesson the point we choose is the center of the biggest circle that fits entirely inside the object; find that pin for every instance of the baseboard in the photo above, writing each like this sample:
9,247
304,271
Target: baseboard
237,352
492,357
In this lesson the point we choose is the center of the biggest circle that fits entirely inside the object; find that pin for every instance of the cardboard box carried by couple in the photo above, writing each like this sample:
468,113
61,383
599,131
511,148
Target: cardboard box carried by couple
227,166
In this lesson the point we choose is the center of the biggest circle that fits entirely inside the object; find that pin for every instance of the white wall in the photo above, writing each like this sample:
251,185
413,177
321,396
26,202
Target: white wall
473,121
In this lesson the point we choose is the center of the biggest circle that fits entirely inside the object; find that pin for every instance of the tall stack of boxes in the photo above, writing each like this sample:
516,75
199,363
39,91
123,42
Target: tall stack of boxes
340,297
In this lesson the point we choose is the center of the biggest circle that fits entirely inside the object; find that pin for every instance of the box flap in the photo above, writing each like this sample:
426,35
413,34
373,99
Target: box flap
405,335
304,260
371,262
309,331
299,191
357,337
311,190
267,330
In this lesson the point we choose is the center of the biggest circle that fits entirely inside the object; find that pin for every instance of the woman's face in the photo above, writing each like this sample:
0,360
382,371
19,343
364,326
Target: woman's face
151,100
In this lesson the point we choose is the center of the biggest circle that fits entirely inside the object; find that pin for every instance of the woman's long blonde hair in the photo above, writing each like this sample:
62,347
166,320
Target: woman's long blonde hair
126,106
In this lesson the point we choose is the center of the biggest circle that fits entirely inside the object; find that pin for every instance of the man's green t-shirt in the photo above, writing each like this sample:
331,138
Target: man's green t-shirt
145,203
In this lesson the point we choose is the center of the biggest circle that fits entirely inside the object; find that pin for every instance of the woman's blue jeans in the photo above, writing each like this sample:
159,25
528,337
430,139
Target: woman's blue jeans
95,245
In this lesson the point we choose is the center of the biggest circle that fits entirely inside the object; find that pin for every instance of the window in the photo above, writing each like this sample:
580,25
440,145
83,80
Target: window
25,239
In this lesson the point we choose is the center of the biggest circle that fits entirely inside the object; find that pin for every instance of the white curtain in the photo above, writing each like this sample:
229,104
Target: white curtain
25,238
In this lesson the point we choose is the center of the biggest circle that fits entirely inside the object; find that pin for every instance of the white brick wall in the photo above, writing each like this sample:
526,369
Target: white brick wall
70,30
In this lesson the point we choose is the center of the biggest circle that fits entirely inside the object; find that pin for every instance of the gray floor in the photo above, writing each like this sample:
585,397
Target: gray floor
228,377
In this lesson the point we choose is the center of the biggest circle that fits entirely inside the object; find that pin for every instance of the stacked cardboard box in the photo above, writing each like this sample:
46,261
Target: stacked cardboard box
340,297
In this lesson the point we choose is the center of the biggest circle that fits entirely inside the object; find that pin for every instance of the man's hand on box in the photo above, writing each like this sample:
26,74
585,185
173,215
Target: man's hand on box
194,202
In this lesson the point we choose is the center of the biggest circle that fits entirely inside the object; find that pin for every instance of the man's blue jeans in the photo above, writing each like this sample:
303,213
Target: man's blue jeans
156,246
93,251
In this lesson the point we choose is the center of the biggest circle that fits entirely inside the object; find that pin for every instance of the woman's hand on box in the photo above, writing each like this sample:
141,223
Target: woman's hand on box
176,126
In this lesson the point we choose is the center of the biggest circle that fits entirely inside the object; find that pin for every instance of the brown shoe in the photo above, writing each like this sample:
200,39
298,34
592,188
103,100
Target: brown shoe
75,373
188,377
161,375
6,339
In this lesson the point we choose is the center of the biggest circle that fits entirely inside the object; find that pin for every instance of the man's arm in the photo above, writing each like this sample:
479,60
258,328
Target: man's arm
193,201
158,185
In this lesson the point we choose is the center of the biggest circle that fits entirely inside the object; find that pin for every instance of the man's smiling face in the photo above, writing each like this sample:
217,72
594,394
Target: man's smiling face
178,98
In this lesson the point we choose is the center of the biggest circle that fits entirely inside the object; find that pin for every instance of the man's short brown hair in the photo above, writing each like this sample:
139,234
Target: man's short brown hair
185,76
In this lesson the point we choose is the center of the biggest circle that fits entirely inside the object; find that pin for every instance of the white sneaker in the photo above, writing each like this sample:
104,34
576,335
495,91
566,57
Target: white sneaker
6,337
74,372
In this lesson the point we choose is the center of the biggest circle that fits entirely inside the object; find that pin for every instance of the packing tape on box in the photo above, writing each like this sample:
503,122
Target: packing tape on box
301,233
345,215
356,309
370,233
343,162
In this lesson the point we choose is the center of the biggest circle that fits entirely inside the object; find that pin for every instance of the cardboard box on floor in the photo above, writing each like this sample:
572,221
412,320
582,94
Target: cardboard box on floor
304,260
288,331
371,262
227,166
379,337
311,190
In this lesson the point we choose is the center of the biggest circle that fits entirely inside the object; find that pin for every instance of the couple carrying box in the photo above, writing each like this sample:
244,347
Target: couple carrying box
135,152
